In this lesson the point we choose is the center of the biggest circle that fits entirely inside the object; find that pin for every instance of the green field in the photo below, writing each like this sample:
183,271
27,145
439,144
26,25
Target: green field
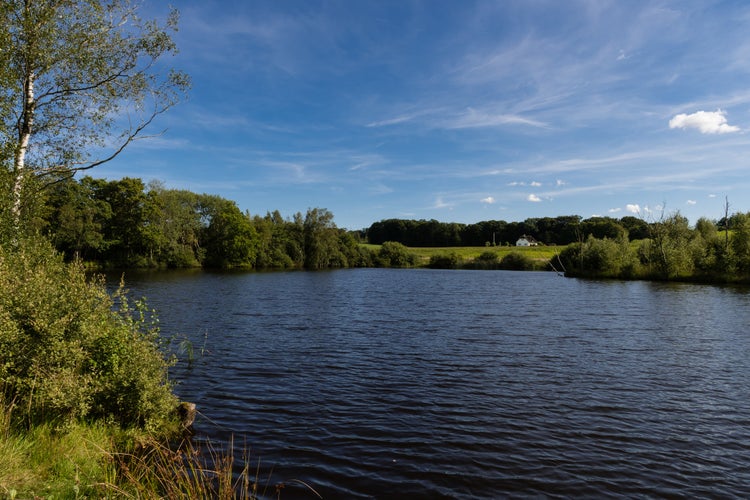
467,254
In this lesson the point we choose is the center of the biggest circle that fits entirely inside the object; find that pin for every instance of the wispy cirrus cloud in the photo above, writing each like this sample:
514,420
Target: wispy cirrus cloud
447,118
398,108
440,203
391,121
474,118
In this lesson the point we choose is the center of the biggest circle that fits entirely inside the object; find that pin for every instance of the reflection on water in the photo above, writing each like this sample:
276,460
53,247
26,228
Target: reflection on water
380,383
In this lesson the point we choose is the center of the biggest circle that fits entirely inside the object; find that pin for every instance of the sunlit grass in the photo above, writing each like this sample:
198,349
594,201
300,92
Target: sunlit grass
49,462
469,254
95,460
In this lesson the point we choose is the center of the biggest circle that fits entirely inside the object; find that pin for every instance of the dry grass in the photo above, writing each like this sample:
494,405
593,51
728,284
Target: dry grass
192,471
79,461
157,469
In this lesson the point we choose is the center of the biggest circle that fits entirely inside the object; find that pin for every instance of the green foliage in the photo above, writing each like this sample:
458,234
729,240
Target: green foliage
607,257
672,249
321,244
356,255
740,243
123,223
637,228
551,231
77,217
488,257
68,351
279,246
173,226
70,72
394,254
230,238
602,227
516,261
599,258
449,260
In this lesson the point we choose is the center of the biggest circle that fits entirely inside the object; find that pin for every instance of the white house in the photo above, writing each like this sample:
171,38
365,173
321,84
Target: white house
526,241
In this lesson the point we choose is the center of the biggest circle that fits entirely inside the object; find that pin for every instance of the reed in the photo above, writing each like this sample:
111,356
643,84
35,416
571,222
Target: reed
192,471
82,460
186,471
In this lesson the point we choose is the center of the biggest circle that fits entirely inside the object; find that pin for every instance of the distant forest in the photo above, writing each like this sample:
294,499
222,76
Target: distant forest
126,223
547,230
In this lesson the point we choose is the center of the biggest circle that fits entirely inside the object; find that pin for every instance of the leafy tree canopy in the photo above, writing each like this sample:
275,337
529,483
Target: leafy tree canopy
78,83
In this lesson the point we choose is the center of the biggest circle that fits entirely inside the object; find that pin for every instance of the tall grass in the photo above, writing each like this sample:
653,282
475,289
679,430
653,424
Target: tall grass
193,471
186,471
98,461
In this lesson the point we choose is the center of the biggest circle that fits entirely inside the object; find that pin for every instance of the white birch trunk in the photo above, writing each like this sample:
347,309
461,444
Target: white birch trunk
24,135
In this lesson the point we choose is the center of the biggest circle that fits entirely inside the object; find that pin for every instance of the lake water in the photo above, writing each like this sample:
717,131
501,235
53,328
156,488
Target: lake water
385,383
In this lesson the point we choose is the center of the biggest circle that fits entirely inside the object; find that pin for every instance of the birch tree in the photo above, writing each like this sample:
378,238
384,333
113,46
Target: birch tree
80,80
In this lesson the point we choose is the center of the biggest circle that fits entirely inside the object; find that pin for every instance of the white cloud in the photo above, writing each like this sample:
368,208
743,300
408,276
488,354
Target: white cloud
489,200
633,208
534,198
707,122
691,202
614,210
536,184
560,183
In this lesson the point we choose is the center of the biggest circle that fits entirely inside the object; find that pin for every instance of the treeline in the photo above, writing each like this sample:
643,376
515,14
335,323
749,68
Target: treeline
561,230
125,223
710,251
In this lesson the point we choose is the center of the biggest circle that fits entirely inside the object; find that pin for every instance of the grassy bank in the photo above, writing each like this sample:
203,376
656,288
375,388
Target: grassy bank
45,462
470,255
86,403
99,461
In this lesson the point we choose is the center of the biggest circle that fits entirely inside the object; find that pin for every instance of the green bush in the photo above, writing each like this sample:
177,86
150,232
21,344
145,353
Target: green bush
395,254
489,257
70,351
445,261
516,261
487,260
599,258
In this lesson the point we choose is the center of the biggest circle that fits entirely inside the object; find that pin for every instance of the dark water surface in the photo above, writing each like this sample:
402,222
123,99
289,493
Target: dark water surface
381,383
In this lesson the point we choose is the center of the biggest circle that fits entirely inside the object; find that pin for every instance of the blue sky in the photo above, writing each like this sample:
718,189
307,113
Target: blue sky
459,111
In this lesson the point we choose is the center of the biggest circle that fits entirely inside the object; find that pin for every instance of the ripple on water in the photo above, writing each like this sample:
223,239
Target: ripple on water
381,383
